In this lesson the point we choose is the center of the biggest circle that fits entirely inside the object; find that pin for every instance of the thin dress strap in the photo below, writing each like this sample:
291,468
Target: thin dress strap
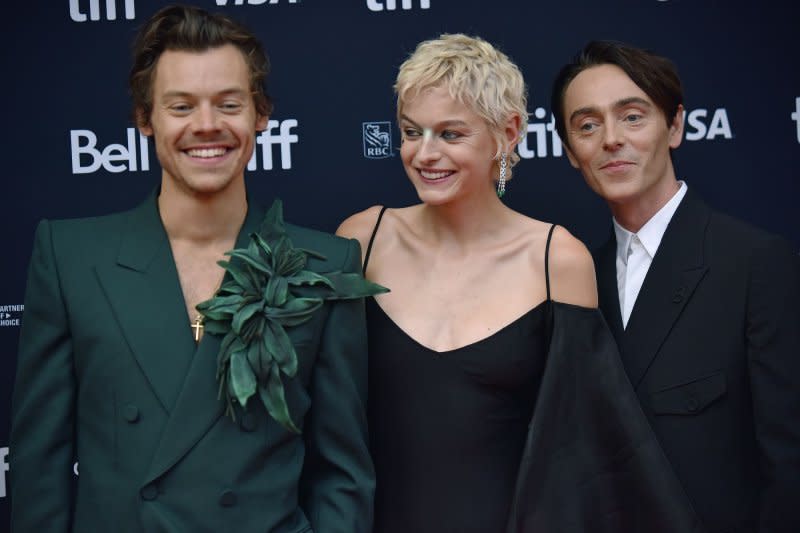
372,239
546,259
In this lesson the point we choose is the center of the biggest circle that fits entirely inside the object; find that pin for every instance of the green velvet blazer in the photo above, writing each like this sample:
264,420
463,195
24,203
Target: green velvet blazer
109,375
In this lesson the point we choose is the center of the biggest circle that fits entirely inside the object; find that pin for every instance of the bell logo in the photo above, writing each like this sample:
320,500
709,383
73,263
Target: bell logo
391,5
267,138
77,15
3,470
83,143
796,116
718,126
541,131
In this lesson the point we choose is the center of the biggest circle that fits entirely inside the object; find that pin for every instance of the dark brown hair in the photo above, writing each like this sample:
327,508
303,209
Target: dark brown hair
192,29
653,74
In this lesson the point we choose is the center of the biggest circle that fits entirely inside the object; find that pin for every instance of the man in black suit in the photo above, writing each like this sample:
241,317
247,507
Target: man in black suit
704,307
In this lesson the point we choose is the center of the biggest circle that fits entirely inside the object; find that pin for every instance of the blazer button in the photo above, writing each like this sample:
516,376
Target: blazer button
227,499
248,422
131,413
149,492
692,404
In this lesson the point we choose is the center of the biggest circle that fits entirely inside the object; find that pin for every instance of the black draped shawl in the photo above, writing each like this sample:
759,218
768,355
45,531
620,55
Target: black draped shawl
591,462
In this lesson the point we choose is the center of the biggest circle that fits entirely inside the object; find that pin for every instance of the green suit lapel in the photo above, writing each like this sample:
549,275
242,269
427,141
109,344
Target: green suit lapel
197,406
144,292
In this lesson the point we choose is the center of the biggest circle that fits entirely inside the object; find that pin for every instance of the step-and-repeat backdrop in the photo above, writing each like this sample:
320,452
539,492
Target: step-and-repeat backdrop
71,148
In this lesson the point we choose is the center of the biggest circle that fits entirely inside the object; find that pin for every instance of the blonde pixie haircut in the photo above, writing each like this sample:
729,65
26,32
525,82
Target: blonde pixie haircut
476,74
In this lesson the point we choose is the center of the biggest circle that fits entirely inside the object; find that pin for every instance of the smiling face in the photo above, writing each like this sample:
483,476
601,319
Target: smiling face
619,139
447,149
203,120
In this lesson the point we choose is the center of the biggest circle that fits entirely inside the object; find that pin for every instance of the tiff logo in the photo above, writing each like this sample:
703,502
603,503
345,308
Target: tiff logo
542,132
83,146
391,5
94,10
3,470
252,2
796,116
267,138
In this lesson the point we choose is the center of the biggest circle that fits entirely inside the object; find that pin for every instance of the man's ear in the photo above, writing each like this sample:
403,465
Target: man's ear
143,124
676,128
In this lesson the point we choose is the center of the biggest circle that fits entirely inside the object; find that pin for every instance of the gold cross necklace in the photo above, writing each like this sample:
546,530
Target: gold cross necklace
197,326
197,323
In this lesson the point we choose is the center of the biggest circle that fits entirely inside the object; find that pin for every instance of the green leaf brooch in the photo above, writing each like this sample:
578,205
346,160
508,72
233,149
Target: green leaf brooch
255,305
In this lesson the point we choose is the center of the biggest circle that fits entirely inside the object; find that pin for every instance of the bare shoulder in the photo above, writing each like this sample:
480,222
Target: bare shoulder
360,225
572,277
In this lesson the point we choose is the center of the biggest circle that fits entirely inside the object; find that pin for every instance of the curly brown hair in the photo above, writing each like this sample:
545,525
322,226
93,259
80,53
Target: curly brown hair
192,29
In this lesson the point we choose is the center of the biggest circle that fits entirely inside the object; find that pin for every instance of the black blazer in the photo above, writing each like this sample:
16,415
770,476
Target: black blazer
712,349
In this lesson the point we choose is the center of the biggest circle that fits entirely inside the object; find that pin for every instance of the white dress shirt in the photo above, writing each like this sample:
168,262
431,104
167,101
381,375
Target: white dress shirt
635,252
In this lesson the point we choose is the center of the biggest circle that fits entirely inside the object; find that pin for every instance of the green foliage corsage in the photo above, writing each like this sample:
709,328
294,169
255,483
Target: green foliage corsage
255,305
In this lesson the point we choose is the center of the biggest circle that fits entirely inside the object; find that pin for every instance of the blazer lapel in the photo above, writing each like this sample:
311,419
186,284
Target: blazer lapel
677,268
605,259
198,405
145,296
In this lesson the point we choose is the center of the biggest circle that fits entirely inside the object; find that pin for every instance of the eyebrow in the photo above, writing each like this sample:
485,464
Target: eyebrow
443,124
235,91
619,104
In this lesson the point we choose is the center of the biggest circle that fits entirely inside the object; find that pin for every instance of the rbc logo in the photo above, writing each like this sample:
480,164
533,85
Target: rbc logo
377,139
94,10
83,143
796,116
391,5
267,138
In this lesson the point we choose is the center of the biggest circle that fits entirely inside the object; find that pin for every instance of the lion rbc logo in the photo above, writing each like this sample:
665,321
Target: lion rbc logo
377,139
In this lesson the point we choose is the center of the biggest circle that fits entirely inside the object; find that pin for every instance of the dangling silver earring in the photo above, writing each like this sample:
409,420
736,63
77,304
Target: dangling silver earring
501,182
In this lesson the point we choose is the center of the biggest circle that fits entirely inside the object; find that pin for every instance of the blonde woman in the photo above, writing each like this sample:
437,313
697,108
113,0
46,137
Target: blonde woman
457,345
458,348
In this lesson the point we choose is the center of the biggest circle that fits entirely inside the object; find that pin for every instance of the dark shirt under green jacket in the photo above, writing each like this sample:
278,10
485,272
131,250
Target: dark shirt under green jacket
109,375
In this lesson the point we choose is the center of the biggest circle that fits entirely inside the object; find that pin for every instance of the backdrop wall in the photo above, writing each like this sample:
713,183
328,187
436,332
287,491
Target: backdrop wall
71,149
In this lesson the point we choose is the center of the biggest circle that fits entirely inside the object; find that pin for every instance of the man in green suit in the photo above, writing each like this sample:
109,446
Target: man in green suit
114,371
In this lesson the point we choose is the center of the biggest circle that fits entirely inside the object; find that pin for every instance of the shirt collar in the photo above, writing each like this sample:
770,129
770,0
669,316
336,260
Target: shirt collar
652,232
